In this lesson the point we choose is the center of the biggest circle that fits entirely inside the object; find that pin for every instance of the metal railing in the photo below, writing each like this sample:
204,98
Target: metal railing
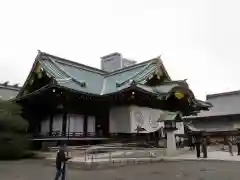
67,134
109,154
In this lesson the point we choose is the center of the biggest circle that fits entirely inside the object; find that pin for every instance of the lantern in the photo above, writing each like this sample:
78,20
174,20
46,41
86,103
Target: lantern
169,120
170,125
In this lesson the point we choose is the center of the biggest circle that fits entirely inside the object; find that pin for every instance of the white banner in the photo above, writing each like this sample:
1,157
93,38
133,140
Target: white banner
126,119
146,118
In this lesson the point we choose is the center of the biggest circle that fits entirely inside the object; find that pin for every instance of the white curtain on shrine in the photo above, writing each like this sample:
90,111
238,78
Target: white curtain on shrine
91,120
76,122
45,123
57,122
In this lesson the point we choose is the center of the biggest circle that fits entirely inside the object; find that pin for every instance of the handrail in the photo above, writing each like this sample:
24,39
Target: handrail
70,134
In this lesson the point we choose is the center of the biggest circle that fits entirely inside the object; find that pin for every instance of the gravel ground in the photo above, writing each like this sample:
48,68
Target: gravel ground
182,170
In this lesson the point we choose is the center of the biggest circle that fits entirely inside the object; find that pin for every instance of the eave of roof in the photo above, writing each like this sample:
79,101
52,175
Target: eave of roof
209,129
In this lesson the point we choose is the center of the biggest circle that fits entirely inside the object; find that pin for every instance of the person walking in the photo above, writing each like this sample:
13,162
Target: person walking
182,142
177,141
198,144
238,145
204,147
61,160
193,143
230,147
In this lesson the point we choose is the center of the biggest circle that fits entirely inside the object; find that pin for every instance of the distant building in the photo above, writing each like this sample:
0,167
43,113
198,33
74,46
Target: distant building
115,61
223,119
7,91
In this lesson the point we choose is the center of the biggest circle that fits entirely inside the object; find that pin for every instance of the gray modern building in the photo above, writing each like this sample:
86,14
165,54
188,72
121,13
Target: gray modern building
7,91
223,119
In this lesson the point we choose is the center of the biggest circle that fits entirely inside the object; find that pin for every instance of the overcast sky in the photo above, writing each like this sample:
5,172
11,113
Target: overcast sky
198,40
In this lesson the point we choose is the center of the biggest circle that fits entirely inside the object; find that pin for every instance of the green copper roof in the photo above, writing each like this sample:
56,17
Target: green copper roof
91,80
82,78
85,79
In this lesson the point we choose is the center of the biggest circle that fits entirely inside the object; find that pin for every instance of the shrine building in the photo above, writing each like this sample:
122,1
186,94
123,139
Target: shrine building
66,100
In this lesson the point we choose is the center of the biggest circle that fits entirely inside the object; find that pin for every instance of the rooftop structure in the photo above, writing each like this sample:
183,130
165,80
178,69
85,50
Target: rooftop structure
8,91
226,103
223,118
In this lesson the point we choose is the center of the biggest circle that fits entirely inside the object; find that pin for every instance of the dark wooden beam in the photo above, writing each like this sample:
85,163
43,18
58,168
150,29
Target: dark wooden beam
85,124
51,123
64,123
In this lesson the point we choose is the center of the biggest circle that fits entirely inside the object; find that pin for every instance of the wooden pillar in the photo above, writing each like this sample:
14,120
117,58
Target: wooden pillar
64,124
85,125
51,124
98,118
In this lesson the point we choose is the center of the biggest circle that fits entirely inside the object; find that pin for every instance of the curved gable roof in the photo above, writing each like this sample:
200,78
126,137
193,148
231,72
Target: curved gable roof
84,78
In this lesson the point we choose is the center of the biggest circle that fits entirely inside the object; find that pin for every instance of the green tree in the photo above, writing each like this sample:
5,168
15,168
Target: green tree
13,131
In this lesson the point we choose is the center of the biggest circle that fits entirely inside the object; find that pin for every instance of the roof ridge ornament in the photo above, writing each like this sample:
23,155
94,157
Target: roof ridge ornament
132,82
6,83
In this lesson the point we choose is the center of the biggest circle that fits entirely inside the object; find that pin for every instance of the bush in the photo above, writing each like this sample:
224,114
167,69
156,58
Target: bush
13,145
14,140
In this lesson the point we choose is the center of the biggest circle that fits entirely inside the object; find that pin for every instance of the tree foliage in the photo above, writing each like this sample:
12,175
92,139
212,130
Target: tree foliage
13,131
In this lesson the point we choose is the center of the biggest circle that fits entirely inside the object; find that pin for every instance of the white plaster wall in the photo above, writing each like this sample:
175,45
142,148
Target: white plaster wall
57,122
236,125
91,121
45,123
119,119
76,123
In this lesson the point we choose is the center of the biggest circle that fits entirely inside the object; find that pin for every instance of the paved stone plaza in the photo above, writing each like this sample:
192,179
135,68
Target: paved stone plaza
181,170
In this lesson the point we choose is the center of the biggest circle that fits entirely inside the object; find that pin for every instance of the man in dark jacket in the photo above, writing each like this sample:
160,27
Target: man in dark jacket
204,147
198,145
238,145
60,163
